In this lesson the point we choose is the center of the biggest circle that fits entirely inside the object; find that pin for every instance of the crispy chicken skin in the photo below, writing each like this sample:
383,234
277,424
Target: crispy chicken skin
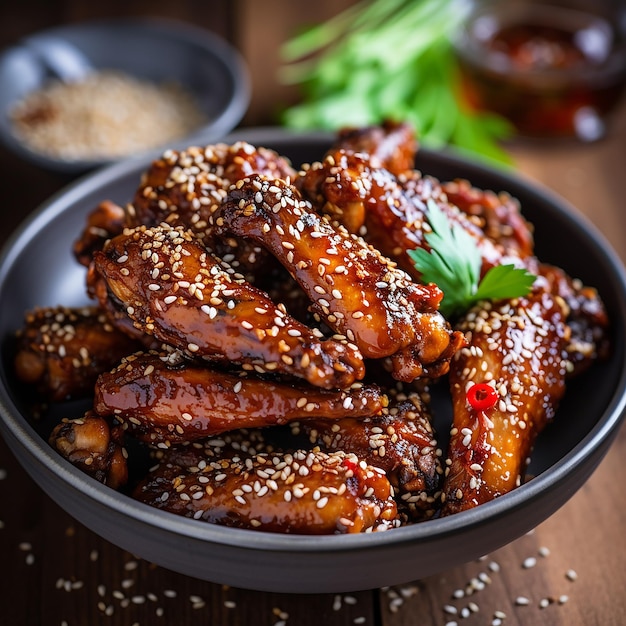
61,350
300,492
359,293
163,280
518,348
94,445
161,402
105,221
400,441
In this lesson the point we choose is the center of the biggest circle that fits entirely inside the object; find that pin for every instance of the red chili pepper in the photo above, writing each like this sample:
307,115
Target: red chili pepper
481,396
350,464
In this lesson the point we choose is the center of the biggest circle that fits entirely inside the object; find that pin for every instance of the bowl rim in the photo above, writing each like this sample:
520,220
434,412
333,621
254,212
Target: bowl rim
225,53
593,443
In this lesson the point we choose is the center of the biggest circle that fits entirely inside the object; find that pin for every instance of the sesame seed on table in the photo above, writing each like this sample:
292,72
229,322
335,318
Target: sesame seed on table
568,571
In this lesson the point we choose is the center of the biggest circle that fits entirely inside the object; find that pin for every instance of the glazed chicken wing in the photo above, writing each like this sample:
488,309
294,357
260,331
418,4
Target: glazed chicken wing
505,387
497,214
300,492
388,211
400,441
391,146
62,350
95,446
106,221
163,402
352,287
182,188
587,318
170,287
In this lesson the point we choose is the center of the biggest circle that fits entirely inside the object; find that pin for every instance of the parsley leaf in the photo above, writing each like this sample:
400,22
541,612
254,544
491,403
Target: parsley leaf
453,264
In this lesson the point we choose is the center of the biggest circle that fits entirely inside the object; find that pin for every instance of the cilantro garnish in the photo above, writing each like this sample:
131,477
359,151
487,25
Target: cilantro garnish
453,263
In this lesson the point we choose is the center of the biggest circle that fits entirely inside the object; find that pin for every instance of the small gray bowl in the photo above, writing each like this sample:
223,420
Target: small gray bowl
37,268
153,49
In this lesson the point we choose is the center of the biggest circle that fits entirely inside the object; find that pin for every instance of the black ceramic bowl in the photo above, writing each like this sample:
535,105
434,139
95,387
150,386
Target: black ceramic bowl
37,268
151,49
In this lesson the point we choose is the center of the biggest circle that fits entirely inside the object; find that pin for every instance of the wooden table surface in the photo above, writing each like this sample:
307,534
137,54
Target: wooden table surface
55,571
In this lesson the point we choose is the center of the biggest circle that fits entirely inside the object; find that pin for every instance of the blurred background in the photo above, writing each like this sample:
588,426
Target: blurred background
422,60
256,29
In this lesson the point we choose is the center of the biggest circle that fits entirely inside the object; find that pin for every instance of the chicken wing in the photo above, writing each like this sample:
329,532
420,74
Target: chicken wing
106,221
300,492
61,350
505,386
95,446
400,441
391,145
182,188
170,287
587,318
498,216
388,211
352,287
164,403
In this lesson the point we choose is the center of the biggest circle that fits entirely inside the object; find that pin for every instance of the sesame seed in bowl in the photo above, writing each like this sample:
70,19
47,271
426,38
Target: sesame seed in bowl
143,84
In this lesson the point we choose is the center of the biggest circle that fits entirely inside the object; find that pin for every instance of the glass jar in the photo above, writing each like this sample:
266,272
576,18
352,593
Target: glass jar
551,69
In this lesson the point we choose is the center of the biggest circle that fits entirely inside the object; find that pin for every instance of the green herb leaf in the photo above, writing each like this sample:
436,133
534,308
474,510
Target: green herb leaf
453,263
504,281
390,59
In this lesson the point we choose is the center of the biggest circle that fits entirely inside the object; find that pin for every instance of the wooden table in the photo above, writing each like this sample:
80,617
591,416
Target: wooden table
56,572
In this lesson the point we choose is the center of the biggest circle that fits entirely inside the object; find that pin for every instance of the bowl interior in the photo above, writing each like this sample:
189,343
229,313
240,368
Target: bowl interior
37,268
161,51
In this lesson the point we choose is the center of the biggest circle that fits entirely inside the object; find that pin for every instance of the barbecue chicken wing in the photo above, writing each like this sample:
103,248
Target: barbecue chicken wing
391,146
390,211
498,216
106,221
95,446
587,318
62,350
353,288
505,386
169,403
400,441
170,287
300,492
182,188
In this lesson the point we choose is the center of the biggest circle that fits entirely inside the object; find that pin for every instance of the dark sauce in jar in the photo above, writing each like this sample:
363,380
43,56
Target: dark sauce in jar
550,71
